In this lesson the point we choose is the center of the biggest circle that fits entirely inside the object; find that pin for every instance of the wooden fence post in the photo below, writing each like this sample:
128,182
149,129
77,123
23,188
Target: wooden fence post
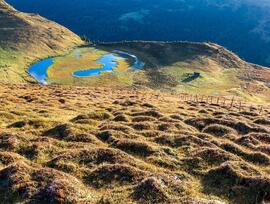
240,106
232,102
261,109
224,102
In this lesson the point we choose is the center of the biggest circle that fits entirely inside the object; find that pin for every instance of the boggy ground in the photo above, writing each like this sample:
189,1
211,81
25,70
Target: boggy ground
62,144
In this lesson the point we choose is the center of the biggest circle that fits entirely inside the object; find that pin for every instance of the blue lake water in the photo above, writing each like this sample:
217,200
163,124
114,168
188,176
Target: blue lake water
108,62
39,70
137,63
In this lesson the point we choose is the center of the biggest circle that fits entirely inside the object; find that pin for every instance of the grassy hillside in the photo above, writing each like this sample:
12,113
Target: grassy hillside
194,68
25,38
67,144
170,66
122,138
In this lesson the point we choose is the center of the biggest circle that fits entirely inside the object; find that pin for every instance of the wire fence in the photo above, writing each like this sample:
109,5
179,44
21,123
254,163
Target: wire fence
229,103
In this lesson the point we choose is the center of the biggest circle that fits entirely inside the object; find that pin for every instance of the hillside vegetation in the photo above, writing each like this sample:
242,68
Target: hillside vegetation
25,38
67,144
169,66
153,135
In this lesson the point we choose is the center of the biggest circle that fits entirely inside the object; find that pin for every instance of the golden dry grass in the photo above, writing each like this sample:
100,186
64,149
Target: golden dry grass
63,144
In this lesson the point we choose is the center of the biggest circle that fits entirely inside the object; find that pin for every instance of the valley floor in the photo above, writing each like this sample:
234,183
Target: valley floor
63,144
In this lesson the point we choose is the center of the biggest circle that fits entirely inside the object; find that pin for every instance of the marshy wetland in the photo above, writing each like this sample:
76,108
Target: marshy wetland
84,64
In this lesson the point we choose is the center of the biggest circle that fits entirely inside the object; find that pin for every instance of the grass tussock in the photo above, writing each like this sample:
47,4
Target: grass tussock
91,148
135,148
238,179
40,185
110,175
218,130
151,190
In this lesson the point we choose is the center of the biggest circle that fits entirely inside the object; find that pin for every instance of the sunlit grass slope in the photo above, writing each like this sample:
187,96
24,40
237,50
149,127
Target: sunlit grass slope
67,144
